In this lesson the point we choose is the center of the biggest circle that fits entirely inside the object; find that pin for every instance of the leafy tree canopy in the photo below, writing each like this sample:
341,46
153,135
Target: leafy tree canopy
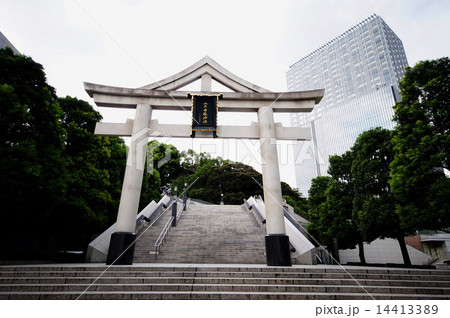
60,183
419,171
207,178
94,167
373,202
31,144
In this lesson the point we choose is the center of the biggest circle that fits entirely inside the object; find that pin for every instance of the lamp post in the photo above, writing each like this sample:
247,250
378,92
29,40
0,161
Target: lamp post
184,197
174,207
221,199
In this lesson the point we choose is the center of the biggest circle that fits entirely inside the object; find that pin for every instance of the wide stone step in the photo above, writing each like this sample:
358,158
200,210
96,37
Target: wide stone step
222,287
220,282
236,274
217,295
195,268
336,276
226,280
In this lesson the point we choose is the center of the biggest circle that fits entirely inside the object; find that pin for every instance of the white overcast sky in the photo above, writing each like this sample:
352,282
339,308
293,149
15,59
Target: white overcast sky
132,43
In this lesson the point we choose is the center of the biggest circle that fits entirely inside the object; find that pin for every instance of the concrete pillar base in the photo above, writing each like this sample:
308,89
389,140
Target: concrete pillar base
121,242
277,250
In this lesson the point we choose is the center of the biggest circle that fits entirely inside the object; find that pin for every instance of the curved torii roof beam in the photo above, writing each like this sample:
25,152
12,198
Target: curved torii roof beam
205,66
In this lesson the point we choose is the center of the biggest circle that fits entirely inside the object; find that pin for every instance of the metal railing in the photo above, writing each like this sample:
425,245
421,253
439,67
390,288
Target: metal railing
182,209
162,236
165,231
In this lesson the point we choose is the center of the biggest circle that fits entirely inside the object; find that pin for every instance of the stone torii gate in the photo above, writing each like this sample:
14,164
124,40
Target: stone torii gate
164,95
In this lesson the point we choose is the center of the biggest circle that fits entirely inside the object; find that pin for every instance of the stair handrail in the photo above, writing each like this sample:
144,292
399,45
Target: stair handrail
182,209
162,236
165,231
153,214
255,209
157,214
165,210
291,219
288,216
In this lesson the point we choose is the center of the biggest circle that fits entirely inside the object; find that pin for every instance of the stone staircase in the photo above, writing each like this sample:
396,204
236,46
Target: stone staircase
216,252
147,237
214,234
201,281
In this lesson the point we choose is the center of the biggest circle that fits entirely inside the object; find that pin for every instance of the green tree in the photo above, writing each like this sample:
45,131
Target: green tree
373,202
207,178
330,219
31,147
294,198
195,176
151,188
331,207
316,198
93,167
316,193
341,171
190,159
60,183
214,177
165,159
422,147
115,164
162,167
236,181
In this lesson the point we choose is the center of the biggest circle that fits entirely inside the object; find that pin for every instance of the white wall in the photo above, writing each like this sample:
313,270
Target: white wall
384,251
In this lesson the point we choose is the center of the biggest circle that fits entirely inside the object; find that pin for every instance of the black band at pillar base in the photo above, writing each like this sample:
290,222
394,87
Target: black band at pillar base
121,248
277,250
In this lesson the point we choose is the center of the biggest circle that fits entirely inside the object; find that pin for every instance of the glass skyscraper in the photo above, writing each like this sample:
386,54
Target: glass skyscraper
4,42
360,71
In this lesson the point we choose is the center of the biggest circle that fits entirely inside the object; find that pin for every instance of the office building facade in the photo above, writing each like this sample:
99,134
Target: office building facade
4,42
360,71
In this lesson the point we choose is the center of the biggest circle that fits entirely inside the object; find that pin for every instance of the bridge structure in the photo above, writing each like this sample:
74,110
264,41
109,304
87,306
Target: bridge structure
167,94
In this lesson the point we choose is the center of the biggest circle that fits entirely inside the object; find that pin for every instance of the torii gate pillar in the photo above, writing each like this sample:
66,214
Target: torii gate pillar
277,242
121,247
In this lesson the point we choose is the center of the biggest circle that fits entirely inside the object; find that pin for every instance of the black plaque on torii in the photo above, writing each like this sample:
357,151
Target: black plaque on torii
204,112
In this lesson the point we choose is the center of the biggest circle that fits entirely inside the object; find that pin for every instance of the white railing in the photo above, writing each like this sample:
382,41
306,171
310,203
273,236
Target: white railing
162,236
165,231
